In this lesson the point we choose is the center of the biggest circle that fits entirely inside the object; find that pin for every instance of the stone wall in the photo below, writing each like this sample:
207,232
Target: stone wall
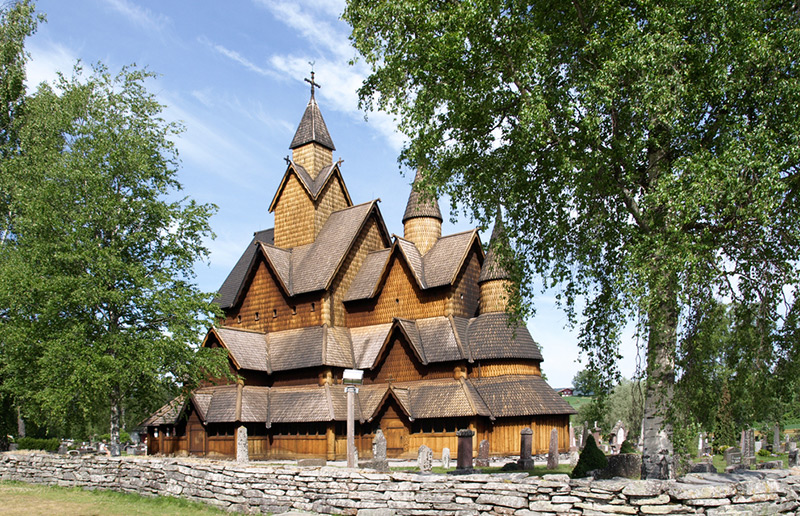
251,488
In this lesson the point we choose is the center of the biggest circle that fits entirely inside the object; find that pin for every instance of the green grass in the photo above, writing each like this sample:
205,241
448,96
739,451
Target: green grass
20,499
720,464
578,401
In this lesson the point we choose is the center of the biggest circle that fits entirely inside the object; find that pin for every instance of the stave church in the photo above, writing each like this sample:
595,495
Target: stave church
328,289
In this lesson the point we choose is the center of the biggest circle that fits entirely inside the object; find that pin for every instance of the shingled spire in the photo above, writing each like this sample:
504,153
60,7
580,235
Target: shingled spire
312,147
422,221
494,280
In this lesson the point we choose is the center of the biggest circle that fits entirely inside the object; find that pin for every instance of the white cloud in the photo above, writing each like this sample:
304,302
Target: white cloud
317,30
140,16
236,57
46,60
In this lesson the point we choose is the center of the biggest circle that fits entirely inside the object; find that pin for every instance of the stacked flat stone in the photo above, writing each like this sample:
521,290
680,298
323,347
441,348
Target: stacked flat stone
276,489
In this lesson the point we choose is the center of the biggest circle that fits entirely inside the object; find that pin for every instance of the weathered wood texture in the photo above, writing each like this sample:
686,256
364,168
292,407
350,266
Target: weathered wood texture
504,367
494,296
266,308
312,157
399,297
423,231
294,215
369,239
332,198
463,301
399,364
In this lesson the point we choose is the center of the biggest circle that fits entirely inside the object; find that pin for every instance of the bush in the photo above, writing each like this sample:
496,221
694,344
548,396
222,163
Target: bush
124,437
628,447
32,443
763,452
591,458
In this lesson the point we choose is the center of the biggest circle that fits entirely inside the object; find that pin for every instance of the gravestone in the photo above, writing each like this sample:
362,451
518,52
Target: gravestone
242,454
757,447
584,436
525,445
63,448
552,453
776,438
446,458
483,454
464,457
792,445
573,446
378,461
733,456
425,459
793,458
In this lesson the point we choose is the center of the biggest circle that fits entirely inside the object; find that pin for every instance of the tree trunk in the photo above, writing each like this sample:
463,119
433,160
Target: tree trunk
115,419
20,424
657,457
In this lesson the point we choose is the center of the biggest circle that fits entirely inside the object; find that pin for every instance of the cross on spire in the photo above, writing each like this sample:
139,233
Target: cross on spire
312,82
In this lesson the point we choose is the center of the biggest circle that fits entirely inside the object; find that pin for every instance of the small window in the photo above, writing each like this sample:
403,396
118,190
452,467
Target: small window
397,300
294,310
239,319
256,316
313,306
274,313
461,296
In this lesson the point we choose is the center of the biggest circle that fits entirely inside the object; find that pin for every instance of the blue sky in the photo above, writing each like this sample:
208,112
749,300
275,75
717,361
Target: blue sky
233,72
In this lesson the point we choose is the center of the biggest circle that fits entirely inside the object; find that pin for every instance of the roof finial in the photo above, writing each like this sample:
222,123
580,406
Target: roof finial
311,81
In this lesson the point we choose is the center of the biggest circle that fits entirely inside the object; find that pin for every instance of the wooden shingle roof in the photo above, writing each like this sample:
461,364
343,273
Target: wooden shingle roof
313,186
222,408
420,206
490,336
166,415
230,287
491,269
248,349
438,267
508,396
312,128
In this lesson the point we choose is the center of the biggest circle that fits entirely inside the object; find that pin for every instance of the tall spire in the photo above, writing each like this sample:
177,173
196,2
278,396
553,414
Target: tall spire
416,207
312,128
492,270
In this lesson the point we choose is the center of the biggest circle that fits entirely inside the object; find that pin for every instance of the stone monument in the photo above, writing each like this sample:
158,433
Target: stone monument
242,454
425,459
552,453
446,458
483,454
464,457
525,446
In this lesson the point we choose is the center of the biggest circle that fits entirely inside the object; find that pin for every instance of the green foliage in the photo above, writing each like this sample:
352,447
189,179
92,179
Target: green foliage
628,447
645,157
763,452
124,437
32,443
591,458
586,382
96,283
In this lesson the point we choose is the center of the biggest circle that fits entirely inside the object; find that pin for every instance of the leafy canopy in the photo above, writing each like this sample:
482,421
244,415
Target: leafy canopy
645,155
97,280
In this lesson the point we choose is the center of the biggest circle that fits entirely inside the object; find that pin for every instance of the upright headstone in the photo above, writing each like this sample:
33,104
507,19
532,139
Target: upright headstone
63,449
525,447
379,461
446,458
584,436
750,458
552,453
464,457
242,454
776,437
733,456
483,454
573,446
786,444
793,458
792,446
425,459
743,443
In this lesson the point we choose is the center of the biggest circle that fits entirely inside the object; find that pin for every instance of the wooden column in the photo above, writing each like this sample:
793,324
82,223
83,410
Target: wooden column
330,435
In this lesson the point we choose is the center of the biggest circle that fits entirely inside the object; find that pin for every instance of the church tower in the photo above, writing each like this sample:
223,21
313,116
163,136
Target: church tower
422,221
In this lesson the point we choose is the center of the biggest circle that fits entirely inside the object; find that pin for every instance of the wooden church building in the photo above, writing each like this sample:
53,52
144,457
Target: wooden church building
328,289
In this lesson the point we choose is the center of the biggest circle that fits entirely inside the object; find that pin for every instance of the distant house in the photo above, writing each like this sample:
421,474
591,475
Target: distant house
566,391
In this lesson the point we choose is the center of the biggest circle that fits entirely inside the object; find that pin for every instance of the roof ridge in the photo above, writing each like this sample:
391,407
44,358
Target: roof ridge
243,330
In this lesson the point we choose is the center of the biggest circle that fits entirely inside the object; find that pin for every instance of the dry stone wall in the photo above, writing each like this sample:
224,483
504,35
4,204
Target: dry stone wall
255,489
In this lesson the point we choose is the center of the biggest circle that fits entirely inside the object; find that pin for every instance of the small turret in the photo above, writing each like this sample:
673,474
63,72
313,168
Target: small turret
422,221
494,280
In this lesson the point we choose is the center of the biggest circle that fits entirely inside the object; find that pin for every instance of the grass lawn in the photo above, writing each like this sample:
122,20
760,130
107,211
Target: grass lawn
20,499
719,460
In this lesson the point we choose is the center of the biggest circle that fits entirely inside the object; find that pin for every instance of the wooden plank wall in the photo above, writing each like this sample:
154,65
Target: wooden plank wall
463,301
399,297
263,294
294,215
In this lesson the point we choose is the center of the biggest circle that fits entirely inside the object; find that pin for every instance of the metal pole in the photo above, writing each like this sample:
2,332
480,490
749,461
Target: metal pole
351,431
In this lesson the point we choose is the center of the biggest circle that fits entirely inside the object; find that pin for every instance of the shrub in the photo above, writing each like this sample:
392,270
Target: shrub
124,437
591,458
763,452
32,443
627,447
